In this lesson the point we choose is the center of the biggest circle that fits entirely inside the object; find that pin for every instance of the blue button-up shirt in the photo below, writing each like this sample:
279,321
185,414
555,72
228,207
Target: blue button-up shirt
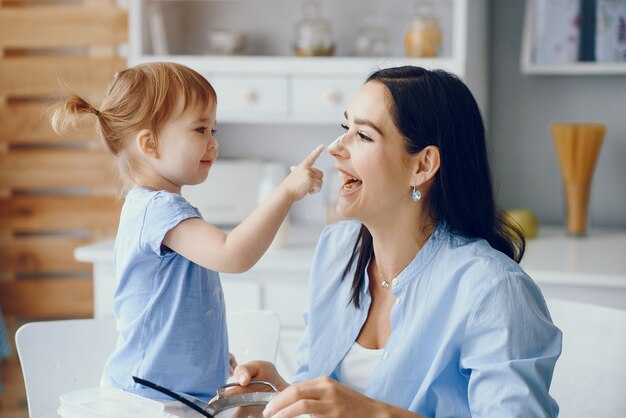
471,333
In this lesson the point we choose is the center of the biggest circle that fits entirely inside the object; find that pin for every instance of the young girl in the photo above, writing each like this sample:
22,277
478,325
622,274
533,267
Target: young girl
158,120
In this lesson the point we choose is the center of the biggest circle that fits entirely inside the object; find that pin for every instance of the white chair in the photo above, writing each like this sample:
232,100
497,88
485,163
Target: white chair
253,335
590,376
66,355
61,356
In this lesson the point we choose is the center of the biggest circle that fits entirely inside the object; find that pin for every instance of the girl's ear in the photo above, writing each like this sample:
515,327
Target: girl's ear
427,164
146,143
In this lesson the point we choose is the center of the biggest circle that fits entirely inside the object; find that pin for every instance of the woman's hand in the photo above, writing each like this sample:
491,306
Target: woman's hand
232,364
259,370
325,398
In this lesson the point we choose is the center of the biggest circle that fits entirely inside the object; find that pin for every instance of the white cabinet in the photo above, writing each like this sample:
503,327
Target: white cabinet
269,84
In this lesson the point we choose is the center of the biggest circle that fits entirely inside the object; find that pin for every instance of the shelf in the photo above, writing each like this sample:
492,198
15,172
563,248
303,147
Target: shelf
269,85
529,66
579,68
335,66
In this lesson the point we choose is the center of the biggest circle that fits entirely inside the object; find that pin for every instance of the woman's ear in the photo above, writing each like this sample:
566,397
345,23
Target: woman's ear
146,143
427,164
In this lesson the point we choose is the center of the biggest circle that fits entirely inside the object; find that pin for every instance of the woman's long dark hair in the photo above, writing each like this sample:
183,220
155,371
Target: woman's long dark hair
436,108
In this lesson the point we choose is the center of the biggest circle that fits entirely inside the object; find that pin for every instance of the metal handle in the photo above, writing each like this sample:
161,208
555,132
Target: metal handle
220,390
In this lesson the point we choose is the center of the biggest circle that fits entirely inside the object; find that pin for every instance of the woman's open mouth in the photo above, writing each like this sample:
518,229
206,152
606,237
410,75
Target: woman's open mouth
350,183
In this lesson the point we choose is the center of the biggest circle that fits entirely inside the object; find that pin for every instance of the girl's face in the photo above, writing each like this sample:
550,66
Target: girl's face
372,160
186,147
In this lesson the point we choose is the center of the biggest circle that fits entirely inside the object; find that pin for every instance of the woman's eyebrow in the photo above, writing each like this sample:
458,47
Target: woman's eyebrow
364,122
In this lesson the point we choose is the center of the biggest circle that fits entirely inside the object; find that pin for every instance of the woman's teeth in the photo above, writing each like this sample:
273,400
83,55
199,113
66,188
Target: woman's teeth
349,182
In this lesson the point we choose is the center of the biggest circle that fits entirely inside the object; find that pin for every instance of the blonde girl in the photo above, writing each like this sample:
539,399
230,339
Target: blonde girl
158,120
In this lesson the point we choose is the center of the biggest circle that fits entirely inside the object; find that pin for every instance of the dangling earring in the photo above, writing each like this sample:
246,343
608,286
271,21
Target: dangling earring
416,194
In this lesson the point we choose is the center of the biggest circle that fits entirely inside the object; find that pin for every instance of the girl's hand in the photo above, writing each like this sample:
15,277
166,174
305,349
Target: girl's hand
325,398
259,370
305,178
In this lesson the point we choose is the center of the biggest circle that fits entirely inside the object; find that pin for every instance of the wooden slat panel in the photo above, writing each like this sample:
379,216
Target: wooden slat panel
47,298
40,169
24,123
45,76
13,381
41,255
57,213
46,26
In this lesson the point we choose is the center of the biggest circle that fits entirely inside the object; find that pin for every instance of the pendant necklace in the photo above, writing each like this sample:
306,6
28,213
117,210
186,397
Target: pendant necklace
384,283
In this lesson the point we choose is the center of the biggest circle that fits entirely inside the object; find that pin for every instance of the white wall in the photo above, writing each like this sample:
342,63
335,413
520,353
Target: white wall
522,106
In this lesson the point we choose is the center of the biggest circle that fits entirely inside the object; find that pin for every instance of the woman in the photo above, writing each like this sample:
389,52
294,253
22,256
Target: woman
419,306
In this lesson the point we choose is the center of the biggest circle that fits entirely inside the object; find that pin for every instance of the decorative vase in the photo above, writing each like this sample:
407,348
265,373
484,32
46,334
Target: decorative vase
577,148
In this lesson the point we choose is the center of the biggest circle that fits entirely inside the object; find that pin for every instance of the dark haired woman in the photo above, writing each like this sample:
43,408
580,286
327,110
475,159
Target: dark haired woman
418,306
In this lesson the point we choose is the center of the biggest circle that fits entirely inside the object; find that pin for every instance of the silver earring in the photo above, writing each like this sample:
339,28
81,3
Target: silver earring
416,194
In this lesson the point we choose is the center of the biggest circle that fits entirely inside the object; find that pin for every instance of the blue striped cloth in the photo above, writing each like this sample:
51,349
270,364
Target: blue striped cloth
5,347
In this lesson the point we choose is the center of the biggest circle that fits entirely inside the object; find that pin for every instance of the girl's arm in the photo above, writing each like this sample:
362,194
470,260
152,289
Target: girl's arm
210,247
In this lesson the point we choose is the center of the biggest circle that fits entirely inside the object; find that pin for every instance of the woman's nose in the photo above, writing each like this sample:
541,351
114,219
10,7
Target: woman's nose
337,146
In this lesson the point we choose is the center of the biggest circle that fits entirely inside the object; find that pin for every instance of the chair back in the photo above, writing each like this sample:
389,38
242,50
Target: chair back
62,356
590,376
253,335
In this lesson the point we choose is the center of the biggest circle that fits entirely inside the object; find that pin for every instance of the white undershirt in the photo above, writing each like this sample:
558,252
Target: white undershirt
357,366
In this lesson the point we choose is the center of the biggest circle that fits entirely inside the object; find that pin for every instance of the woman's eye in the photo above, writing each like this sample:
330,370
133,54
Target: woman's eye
344,126
363,136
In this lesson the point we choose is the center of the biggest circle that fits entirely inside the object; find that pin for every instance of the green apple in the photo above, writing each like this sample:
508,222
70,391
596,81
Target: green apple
526,220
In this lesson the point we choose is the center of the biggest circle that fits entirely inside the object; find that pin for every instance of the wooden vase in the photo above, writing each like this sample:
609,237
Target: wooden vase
577,148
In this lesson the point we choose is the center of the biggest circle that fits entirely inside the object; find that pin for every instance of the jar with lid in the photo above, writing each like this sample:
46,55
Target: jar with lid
313,33
423,35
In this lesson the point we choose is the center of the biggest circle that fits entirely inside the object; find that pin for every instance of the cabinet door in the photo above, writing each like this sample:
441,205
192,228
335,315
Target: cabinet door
326,98
289,299
250,98
286,358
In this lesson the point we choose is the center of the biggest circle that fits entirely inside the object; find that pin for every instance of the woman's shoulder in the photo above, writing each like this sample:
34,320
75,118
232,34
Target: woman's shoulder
482,265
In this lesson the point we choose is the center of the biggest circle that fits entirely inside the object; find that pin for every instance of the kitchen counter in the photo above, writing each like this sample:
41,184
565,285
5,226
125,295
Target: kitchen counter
296,256
589,269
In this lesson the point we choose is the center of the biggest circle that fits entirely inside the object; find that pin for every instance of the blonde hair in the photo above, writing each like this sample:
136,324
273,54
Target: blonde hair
142,97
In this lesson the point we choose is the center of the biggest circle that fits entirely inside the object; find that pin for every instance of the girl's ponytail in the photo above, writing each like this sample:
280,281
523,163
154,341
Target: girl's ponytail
67,113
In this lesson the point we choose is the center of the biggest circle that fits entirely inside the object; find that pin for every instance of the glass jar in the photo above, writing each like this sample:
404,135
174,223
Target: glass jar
423,35
313,33
371,39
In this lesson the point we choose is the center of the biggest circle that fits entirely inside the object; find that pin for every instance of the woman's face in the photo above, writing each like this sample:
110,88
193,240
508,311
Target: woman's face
371,159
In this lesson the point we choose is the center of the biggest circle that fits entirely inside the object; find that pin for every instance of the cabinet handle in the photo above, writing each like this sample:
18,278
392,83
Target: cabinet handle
332,96
249,96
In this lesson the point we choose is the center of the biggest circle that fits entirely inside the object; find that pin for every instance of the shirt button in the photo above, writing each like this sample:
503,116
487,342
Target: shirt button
397,301
394,282
386,354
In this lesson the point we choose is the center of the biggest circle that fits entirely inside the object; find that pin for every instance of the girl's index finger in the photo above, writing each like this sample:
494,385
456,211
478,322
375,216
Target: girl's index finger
313,156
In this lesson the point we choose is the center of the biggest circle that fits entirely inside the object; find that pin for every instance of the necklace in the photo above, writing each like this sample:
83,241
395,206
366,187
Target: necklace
384,283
